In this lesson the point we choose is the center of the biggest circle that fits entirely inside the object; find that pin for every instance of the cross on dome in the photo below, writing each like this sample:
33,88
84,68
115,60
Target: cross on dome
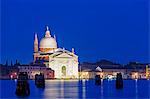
47,28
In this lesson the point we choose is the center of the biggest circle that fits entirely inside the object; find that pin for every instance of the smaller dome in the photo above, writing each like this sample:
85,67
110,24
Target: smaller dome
48,42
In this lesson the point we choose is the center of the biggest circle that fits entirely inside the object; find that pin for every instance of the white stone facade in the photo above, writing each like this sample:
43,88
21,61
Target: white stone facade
64,63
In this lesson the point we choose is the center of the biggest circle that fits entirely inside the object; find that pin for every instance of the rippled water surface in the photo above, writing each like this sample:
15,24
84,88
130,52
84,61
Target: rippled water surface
133,89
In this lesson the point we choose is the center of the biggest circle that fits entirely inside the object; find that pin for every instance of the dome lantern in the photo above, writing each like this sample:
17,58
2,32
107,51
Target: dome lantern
47,33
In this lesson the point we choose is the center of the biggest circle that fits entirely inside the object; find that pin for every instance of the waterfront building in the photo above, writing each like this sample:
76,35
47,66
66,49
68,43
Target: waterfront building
33,69
63,62
8,72
108,70
148,71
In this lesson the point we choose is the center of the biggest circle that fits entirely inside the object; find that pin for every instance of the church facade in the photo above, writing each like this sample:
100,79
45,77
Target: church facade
63,62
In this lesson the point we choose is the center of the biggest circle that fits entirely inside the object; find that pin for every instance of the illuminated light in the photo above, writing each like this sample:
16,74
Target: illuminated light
102,73
147,72
11,76
15,80
136,80
86,73
115,73
135,75
110,77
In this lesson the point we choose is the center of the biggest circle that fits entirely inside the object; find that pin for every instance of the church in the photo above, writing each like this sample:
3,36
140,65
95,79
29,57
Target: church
63,62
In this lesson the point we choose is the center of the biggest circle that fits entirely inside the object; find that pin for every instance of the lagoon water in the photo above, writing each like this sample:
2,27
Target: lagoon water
133,89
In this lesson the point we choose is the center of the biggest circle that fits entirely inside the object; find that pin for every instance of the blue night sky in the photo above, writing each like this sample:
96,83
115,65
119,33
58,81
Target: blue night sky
116,30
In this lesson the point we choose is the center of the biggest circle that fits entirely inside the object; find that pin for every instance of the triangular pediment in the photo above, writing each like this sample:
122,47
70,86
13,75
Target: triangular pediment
64,55
61,53
99,69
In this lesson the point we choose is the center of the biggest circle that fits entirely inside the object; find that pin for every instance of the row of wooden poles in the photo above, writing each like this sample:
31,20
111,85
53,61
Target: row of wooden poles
119,81
23,87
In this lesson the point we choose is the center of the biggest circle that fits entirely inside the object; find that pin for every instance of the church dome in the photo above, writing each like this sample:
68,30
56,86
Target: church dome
48,41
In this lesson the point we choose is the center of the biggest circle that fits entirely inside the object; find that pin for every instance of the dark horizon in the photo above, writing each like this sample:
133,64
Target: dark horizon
112,30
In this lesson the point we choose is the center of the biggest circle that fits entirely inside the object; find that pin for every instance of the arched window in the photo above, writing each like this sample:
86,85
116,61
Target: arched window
64,70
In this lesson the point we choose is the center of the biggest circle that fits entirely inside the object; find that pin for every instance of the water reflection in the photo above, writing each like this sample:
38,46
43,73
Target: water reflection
136,89
61,89
81,89
87,89
73,89
102,89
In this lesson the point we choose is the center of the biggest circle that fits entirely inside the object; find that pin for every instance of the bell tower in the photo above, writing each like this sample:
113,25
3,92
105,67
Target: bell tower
35,54
36,43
